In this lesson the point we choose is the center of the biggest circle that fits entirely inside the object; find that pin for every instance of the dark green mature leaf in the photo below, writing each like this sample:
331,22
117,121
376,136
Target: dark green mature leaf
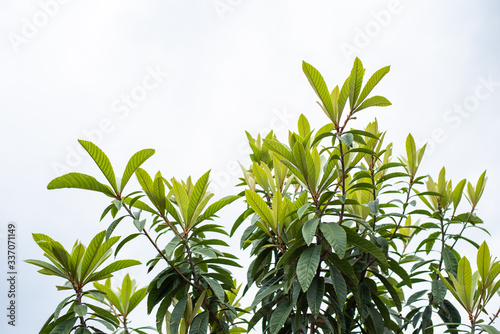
216,288
80,310
177,314
200,324
102,162
124,241
104,314
319,86
260,313
391,290
366,245
336,237
112,226
339,285
450,261
80,181
64,327
267,288
426,317
414,297
279,316
135,162
438,290
307,265
400,271
309,230
315,294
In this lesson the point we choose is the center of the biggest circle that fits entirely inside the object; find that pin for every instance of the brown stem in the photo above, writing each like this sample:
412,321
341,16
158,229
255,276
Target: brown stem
184,278
191,262
463,227
79,295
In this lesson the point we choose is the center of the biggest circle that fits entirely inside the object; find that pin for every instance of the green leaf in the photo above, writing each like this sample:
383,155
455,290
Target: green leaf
104,314
216,206
94,252
315,295
102,162
200,324
347,139
465,281
79,181
367,246
390,289
318,84
375,101
483,261
449,313
438,290
124,241
303,209
60,306
309,230
339,284
260,207
373,206
415,297
457,193
411,155
81,310
450,261
197,194
140,205
216,288
111,268
307,265
304,127
344,94
112,226
267,288
372,82
135,162
64,327
336,237
355,82
279,148
49,268
279,316
489,329
139,224
177,315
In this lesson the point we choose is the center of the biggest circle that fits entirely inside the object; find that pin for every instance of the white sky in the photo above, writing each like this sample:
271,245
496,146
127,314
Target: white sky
221,72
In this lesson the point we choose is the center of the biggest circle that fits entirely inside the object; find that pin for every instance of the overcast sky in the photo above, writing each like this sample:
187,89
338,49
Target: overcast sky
187,78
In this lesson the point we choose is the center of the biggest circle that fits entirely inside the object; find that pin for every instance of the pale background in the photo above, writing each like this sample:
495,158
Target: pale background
225,66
